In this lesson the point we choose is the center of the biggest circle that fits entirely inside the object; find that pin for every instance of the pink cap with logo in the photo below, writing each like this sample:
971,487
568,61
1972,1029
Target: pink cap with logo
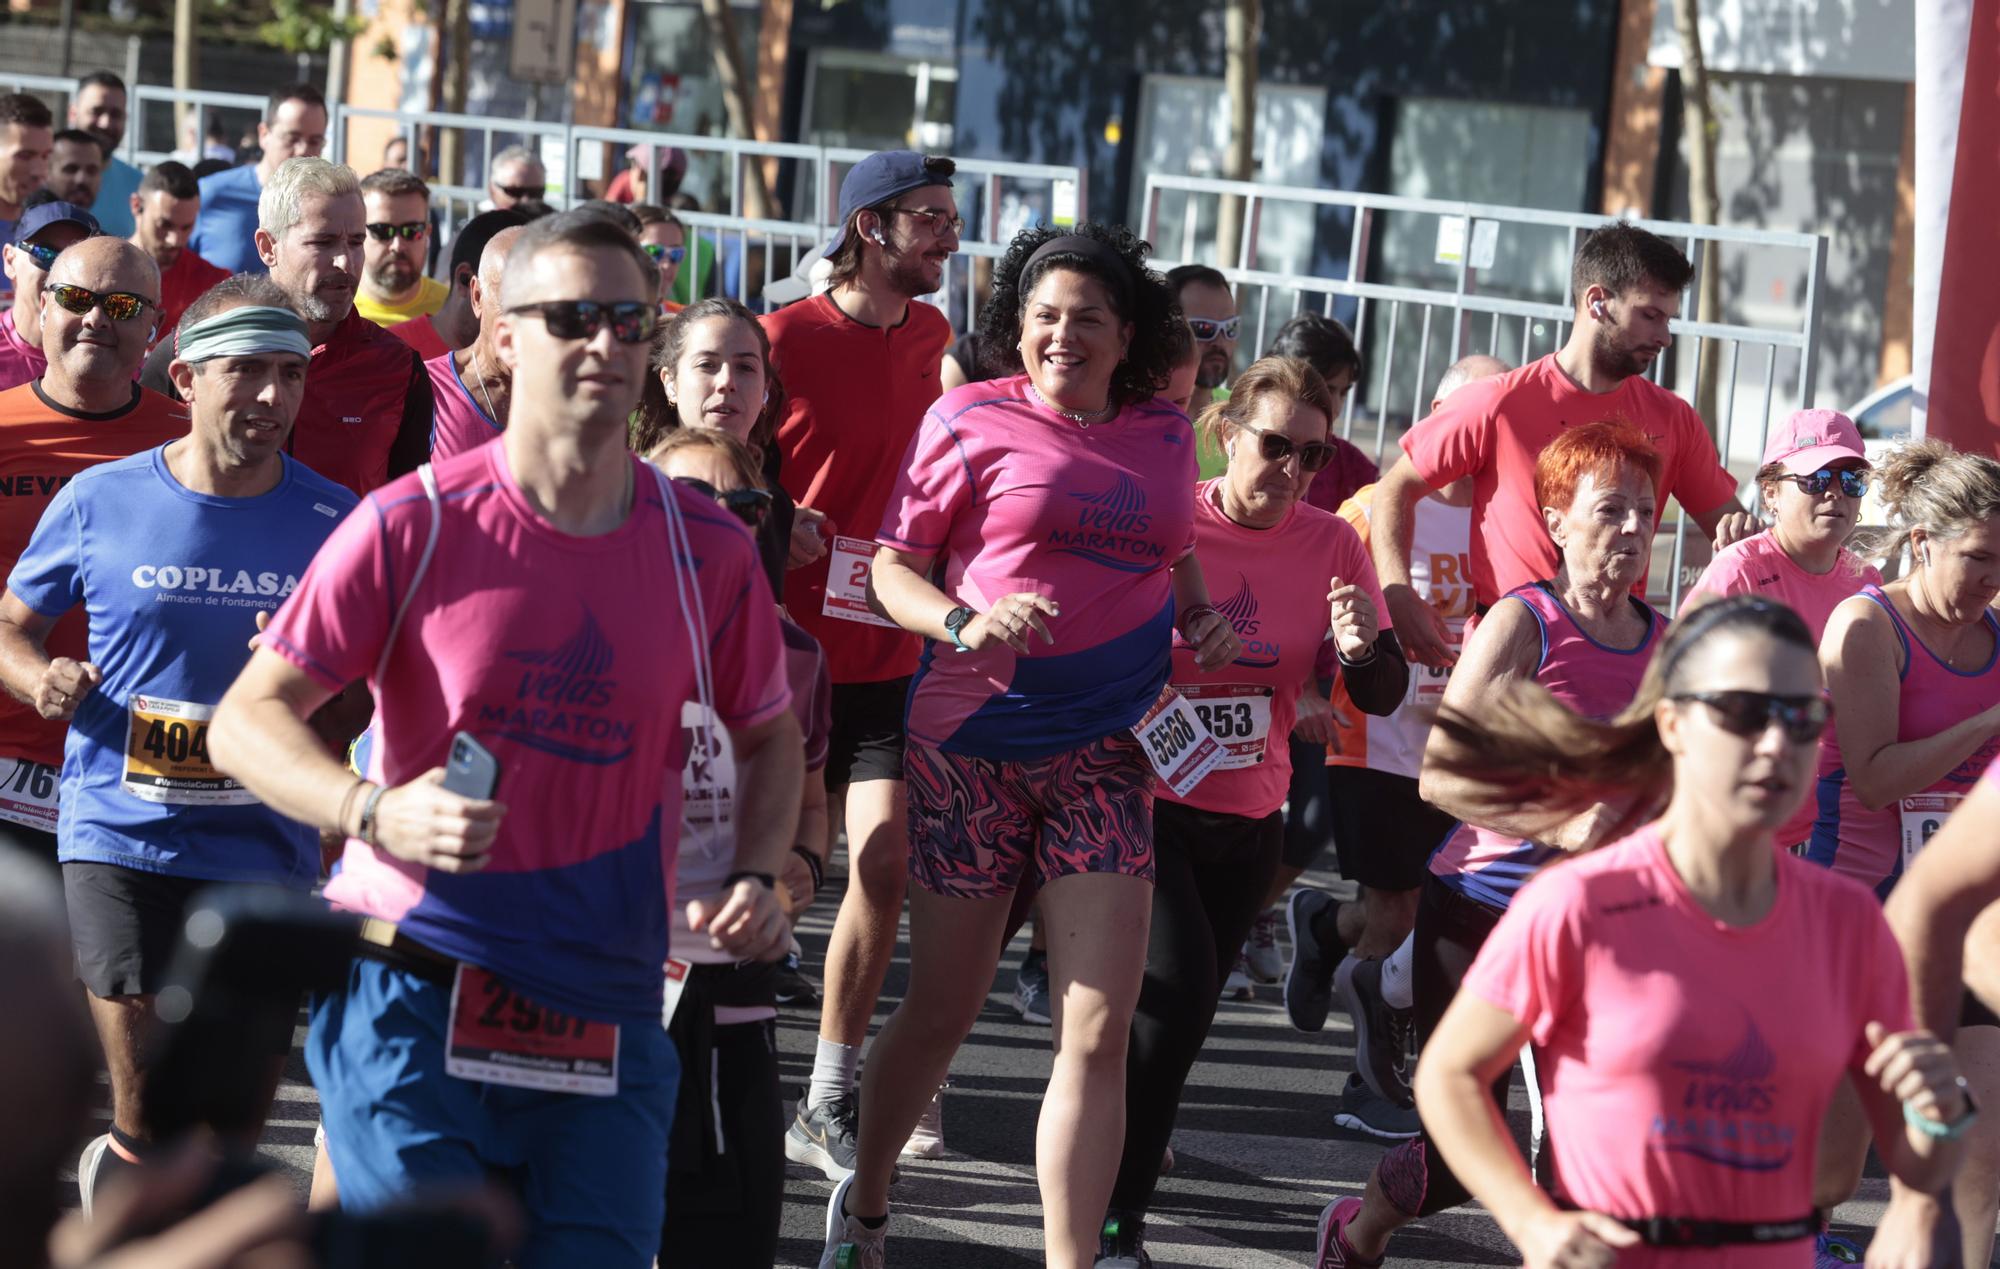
1811,439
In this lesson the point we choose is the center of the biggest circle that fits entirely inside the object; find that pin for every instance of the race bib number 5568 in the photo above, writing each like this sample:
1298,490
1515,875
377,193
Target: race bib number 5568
1177,742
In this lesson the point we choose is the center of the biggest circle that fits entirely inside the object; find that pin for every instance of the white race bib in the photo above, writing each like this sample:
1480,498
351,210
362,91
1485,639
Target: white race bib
1177,742
1238,715
28,793
1921,816
848,567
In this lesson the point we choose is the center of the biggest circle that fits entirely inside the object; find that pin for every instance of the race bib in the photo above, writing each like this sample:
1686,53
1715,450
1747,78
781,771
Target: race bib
1922,815
28,793
708,785
1238,715
501,1037
677,981
1177,742
166,755
847,572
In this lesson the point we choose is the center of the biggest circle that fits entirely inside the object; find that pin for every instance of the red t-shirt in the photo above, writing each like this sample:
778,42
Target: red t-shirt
858,394
1493,431
421,335
42,445
360,384
181,285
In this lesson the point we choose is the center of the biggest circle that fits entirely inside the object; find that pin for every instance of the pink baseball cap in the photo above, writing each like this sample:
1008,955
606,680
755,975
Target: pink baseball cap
1811,439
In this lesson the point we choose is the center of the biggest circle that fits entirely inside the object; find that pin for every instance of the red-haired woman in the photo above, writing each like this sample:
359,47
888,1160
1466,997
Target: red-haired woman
1587,639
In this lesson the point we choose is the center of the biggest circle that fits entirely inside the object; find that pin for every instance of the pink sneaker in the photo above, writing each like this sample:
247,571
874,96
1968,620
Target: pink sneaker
1334,1251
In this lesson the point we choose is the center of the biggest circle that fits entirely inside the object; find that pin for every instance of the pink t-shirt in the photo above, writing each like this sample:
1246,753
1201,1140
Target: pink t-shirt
1759,566
458,423
1873,846
1686,1064
1594,680
1493,431
1013,497
1271,584
568,658
20,361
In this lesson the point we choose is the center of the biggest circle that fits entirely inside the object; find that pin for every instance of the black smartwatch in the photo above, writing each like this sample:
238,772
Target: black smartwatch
955,622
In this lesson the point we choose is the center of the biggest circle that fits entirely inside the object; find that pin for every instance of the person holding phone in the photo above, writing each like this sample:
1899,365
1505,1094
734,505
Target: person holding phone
506,1012
172,552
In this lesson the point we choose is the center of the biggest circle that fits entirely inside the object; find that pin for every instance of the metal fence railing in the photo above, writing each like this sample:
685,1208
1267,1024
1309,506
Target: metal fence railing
1428,281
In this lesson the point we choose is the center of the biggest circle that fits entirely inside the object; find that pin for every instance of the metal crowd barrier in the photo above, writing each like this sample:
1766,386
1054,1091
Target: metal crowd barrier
1429,281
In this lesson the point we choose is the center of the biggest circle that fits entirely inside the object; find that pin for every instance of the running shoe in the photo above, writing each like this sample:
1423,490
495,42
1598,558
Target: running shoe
1122,1245
1831,1251
1381,1034
1260,950
88,1165
793,987
1334,1251
826,1137
1309,980
849,1243
1031,990
1238,986
1362,1110
927,1138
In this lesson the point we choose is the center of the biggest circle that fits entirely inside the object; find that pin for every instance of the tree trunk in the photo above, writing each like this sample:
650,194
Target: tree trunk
1704,205
1240,24
736,103
185,67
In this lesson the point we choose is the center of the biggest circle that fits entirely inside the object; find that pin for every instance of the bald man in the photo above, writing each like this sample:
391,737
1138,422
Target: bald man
471,386
96,315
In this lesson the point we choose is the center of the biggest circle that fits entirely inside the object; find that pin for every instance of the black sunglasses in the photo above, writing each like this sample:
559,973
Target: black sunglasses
1276,447
519,192
1749,713
632,321
751,506
672,255
1853,481
409,230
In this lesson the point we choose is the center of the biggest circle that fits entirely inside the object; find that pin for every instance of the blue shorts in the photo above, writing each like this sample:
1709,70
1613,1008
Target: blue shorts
592,1170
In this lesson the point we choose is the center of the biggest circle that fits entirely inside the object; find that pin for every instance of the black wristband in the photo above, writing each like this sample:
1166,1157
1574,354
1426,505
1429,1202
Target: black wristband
813,864
770,882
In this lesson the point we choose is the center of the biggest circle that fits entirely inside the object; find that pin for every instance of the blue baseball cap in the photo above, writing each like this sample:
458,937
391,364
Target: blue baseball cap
880,177
41,216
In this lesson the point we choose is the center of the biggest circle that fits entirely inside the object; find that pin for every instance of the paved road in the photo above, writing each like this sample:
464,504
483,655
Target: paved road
1257,1153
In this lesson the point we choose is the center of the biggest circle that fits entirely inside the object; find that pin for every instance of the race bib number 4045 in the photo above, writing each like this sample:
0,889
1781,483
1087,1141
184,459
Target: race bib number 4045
166,755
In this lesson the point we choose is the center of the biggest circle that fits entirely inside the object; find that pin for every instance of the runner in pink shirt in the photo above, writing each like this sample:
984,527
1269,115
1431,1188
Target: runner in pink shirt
1693,996
491,606
1627,283
1055,508
1586,642
470,387
1216,847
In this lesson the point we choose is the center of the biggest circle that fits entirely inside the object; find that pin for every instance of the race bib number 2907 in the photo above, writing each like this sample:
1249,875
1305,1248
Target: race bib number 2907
499,1036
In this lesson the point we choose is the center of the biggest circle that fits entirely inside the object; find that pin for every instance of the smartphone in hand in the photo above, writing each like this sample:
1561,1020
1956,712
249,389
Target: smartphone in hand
471,770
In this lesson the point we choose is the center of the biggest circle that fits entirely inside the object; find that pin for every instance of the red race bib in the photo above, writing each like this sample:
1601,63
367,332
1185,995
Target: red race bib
499,1036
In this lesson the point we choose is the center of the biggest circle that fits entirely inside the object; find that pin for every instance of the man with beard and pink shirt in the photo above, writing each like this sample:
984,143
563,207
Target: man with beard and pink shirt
472,386
366,418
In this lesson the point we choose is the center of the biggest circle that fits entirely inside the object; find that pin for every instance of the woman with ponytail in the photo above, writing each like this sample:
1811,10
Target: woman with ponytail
1694,995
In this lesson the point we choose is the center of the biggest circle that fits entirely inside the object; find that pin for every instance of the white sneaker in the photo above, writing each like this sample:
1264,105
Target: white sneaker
1237,986
1260,950
849,1243
927,1138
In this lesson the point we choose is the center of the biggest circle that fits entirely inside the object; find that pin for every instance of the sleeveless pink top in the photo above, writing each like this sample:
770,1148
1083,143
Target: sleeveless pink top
1583,674
1873,846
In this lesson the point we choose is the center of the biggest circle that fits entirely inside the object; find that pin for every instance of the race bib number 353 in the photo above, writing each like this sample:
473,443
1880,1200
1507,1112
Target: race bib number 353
1238,715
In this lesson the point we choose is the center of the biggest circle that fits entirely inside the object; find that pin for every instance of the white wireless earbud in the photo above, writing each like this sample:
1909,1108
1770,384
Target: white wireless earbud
1927,555
1597,310
876,234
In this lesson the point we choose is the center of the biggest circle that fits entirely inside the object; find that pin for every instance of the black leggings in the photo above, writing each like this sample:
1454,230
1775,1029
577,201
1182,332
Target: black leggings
1213,872
1449,933
723,1211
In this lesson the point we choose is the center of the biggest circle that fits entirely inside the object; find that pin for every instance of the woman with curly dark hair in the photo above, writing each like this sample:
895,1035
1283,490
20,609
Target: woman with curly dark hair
1059,501
711,367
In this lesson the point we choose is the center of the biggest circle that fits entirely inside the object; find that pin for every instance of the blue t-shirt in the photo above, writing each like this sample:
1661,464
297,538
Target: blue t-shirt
225,232
113,207
172,581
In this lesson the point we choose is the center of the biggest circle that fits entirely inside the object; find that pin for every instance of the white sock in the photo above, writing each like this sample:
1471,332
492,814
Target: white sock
1396,976
833,1072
